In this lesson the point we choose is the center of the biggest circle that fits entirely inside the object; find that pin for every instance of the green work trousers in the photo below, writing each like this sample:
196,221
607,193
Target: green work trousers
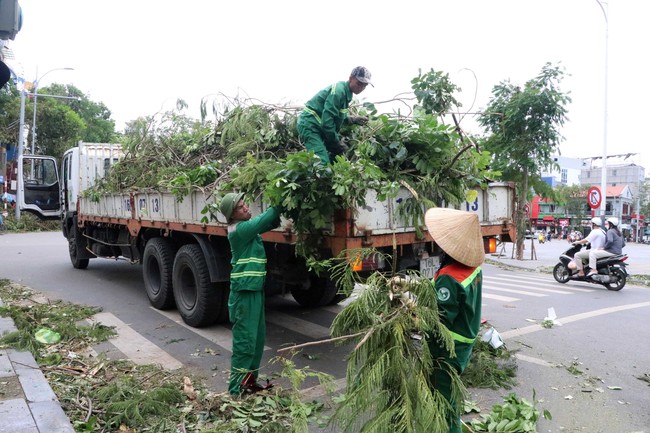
441,380
309,131
246,310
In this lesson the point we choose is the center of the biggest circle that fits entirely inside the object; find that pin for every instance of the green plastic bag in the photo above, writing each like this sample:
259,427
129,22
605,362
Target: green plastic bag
47,336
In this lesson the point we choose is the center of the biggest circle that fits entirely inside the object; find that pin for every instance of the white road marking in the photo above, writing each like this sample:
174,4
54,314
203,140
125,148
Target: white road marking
529,287
297,325
499,297
218,334
543,283
137,348
222,336
336,309
319,391
569,319
533,360
518,292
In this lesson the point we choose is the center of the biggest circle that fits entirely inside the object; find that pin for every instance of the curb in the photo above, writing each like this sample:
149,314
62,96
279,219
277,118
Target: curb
27,402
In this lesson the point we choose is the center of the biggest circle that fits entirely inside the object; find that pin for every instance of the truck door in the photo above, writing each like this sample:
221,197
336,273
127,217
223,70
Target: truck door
38,186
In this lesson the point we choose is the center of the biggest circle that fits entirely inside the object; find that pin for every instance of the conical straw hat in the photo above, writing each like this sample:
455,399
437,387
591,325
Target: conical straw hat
458,233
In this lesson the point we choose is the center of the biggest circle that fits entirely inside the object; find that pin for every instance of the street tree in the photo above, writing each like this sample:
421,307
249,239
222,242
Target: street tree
524,124
98,127
60,123
58,128
9,113
574,200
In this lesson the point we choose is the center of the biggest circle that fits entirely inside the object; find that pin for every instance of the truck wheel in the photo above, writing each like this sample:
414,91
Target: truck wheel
321,291
198,300
75,244
221,307
338,298
157,270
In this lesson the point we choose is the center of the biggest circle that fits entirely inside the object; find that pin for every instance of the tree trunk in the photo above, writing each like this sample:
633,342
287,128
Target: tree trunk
521,215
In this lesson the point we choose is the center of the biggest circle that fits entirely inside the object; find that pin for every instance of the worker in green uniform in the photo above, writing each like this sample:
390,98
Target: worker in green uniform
246,301
320,121
458,286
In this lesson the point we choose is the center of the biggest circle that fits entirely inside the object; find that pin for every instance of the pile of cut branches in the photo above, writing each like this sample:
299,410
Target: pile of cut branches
389,385
101,395
254,148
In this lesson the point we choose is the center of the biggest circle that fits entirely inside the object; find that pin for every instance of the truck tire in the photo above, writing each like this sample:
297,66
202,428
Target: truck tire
75,246
338,298
198,300
321,291
221,309
157,271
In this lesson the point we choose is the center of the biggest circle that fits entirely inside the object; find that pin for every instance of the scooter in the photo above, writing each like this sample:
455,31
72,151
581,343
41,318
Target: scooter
612,272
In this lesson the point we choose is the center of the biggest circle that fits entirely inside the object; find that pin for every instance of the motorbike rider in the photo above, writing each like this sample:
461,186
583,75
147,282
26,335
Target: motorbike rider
597,240
614,242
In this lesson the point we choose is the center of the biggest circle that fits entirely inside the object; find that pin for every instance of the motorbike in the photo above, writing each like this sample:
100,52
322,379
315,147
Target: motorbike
612,272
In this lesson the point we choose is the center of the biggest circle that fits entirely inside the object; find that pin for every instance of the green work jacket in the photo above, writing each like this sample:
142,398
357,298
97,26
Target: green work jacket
330,108
248,255
459,293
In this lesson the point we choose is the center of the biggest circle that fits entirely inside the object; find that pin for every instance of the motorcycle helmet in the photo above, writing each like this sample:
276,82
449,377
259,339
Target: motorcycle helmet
597,221
613,221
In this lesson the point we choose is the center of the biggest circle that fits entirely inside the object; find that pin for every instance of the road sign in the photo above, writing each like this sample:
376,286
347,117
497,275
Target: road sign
527,210
594,197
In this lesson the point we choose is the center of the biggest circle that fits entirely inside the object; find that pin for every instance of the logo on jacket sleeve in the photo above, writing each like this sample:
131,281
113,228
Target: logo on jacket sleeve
443,294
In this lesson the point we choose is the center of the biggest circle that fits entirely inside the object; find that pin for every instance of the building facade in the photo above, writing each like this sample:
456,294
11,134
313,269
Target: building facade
625,179
621,204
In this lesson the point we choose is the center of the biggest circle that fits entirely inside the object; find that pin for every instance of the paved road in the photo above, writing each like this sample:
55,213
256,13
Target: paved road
598,327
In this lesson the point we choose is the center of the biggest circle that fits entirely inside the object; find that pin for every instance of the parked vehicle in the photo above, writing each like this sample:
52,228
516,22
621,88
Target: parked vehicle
612,272
186,260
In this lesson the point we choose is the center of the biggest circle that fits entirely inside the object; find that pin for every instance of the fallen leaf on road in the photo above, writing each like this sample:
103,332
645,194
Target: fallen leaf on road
188,388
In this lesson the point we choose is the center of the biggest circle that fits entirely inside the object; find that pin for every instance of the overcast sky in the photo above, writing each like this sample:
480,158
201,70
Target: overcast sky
139,56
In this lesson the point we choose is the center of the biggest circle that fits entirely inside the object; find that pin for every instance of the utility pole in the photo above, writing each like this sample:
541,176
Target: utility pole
603,179
21,139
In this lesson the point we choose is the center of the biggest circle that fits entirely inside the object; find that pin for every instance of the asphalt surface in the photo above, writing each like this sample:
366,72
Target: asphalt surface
33,407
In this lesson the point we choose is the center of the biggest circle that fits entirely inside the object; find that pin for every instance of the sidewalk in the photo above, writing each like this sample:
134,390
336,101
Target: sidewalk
27,402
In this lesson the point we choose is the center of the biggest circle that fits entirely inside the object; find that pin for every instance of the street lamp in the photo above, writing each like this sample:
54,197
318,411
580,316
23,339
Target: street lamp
603,177
35,92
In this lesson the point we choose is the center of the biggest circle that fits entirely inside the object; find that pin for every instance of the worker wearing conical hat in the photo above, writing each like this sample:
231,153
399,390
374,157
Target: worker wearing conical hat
458,285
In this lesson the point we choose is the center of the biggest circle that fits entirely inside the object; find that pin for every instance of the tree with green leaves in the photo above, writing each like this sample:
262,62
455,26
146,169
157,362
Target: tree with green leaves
574,200
98,125
524,126
9,113
60,123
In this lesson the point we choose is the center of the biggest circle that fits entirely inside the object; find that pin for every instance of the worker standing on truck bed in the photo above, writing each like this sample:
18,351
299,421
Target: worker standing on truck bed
320,121
246,301
458,285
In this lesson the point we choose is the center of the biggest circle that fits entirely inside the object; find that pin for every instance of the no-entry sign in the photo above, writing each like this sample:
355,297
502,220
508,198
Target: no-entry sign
594,197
